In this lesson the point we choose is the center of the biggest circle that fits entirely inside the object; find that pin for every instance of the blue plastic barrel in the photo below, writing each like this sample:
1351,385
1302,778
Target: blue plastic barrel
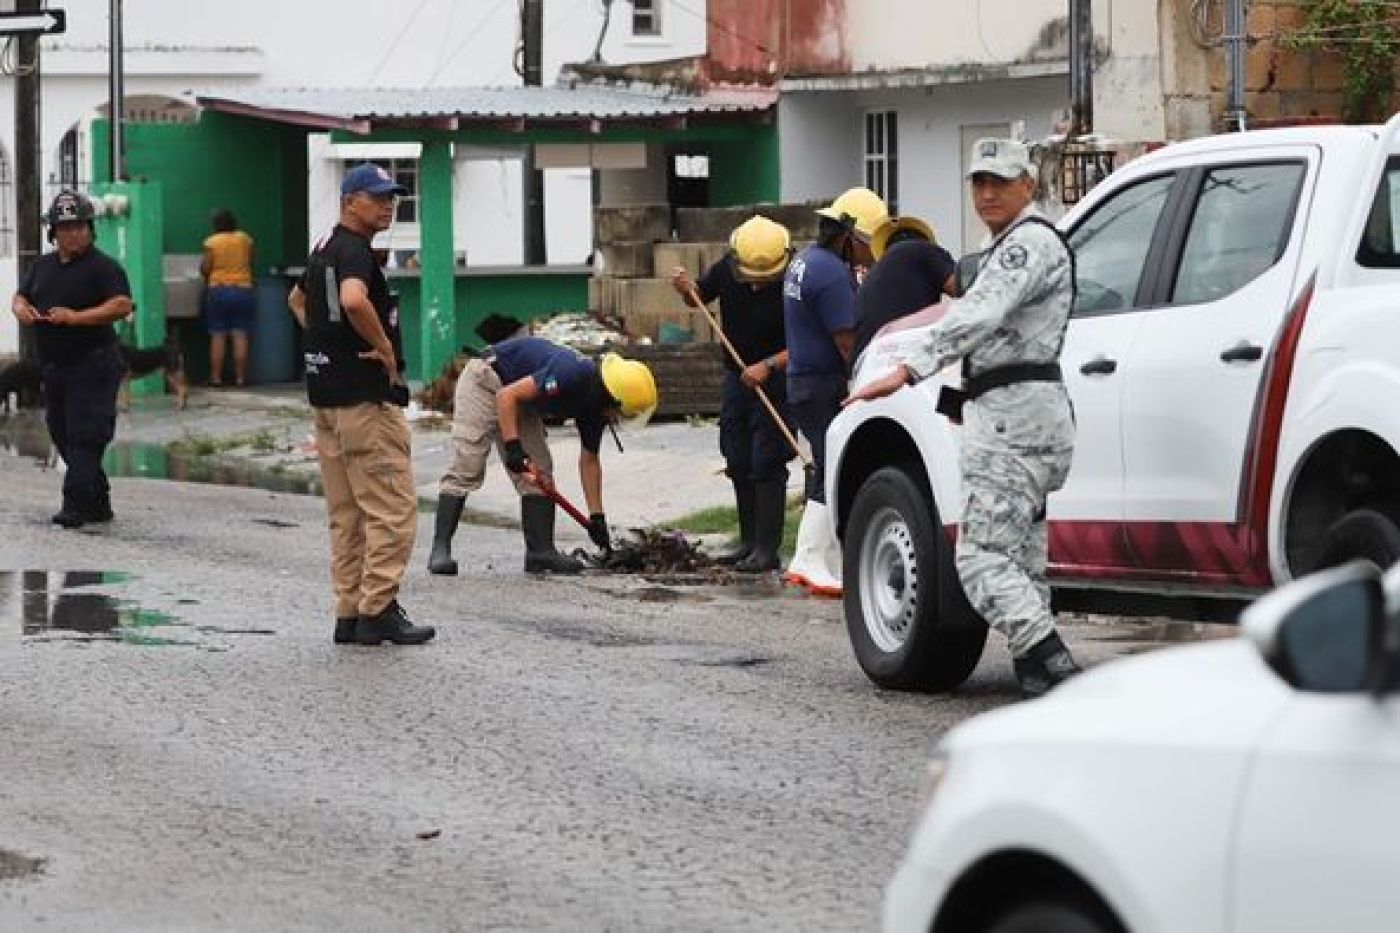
272,353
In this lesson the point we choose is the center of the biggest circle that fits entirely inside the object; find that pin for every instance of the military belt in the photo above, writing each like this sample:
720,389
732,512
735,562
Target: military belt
982,383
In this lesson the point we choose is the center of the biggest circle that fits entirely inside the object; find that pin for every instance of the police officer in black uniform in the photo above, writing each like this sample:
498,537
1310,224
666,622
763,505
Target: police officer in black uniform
71,297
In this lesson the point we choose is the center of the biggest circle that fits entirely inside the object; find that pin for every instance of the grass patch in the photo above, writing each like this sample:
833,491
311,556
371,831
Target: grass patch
724,519
263,440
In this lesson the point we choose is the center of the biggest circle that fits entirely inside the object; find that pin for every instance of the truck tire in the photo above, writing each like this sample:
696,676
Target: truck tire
906,614
1053,917
1365,534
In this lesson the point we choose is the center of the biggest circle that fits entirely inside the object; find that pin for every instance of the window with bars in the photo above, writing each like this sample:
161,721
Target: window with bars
404,172
882,156
646,17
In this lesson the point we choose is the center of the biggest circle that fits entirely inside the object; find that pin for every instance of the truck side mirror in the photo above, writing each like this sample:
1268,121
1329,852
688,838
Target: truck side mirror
1324,633
966,272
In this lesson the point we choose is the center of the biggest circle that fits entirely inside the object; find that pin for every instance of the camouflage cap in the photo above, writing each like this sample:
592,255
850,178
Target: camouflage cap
1005,158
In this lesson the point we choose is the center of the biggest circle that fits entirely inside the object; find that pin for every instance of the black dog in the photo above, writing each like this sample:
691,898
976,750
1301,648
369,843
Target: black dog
21,379
142,361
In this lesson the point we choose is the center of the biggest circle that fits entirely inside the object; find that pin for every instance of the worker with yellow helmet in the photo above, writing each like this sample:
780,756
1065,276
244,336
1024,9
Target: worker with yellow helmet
502,398
748,283
911,272
819,319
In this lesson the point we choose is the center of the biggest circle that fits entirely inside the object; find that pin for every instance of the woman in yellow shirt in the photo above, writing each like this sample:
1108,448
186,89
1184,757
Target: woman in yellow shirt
228,297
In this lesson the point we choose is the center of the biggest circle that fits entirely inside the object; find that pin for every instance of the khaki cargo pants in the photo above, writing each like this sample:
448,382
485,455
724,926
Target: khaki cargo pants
371,503
475,431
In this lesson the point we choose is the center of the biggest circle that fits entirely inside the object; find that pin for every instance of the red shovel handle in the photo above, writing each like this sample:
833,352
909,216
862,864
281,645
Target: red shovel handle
546,486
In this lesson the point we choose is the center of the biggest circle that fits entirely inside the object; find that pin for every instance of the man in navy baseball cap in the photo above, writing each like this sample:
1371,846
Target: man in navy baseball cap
371,179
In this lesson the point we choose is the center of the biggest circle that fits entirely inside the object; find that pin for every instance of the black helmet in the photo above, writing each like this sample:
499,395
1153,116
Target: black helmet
70,207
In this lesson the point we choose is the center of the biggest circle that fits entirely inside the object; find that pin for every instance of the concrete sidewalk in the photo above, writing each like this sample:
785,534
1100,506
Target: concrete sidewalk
667,469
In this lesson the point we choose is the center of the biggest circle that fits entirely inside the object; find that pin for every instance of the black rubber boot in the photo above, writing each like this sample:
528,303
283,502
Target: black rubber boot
449,513
537,522
743,502
769,510
70,515
1047,664
393,625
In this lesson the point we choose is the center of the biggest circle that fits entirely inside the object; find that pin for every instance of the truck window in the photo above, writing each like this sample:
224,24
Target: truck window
1111,244
1380,243
1241,225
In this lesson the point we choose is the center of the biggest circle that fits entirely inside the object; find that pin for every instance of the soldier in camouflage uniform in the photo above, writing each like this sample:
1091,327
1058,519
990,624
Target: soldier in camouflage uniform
1018,426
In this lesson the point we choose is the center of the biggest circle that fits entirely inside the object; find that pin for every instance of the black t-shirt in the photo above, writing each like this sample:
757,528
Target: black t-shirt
752,318
908,278
85,281
336,376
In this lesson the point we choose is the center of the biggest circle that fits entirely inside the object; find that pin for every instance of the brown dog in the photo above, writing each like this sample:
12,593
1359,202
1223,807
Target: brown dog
142,361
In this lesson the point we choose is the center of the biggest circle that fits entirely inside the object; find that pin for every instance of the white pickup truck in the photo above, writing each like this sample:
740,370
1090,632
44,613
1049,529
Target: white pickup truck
1234,362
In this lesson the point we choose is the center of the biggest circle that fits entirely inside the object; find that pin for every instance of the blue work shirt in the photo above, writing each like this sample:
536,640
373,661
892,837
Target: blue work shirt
568,382
818,300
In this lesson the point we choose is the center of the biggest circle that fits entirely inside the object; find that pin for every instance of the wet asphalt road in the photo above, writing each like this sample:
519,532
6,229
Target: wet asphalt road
597,753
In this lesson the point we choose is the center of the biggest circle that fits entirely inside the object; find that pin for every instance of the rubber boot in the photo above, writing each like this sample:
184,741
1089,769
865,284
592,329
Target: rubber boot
449,513
70,515
770,508
537,522
743,501
1045,665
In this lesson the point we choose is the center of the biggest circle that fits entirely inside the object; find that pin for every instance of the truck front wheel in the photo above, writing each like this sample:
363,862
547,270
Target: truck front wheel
908,619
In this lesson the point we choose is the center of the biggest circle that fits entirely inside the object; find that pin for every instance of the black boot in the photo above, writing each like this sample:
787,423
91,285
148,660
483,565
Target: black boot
449,513
769,510
70,515
345,629
1047,664
537,522
101,510
743,501
392,624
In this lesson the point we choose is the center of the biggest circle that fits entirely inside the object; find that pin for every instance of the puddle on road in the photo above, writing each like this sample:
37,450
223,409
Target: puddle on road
52,608
13,865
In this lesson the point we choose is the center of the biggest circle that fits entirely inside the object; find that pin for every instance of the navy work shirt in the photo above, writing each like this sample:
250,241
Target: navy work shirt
909,277
84,281
568,382
752,318
818,301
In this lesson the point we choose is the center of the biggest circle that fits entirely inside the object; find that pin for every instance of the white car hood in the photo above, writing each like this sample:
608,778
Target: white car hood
1214,694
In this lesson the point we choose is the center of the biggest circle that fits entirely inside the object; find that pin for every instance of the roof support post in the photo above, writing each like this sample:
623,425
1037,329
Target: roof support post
437,278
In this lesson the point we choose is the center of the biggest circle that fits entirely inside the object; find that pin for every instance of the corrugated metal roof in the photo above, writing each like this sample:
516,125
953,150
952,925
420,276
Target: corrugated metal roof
357,108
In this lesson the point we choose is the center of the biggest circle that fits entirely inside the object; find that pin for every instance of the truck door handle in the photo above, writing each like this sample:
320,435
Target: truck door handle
1242,352
1099,366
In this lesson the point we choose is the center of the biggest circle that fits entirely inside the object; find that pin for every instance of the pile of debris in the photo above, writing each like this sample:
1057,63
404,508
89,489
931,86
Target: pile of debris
657,550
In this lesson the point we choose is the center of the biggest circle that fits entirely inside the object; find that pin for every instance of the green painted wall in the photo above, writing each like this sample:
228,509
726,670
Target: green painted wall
745,171
521,295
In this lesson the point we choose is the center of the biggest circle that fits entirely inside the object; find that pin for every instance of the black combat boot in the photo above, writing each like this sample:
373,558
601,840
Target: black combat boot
345,629
449,513
1047,664
743,502
101,510
769,510
70,515
392,624
537,522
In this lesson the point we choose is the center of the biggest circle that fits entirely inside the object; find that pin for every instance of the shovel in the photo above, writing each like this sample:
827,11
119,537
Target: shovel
546,485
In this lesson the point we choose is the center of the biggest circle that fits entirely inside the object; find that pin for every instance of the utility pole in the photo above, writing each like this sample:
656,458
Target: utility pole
27,185
116,92
532,42
1235,115
1081,68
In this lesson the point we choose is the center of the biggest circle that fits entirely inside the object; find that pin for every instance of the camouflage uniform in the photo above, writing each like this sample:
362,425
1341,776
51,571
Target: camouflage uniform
1017,440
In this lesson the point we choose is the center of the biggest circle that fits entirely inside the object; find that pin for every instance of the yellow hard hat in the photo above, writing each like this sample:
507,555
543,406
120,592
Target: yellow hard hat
860,210
881,241
761,249
629,382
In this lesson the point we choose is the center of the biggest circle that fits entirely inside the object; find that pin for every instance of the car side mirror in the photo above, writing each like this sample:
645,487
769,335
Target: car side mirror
1324,633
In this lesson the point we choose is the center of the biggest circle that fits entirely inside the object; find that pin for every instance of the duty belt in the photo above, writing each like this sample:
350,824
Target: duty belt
995,378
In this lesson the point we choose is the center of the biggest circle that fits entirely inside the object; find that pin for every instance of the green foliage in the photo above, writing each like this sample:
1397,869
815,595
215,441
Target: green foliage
1364,33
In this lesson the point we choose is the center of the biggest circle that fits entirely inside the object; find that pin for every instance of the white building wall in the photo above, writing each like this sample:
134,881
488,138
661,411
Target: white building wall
822,134
891,34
